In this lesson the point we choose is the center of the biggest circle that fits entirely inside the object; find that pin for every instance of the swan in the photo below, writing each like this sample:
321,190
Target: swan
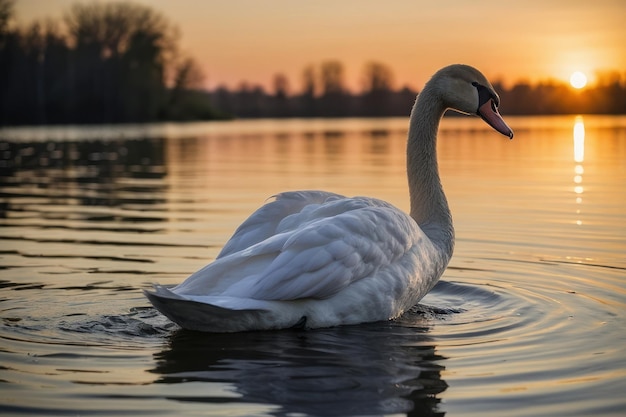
311,259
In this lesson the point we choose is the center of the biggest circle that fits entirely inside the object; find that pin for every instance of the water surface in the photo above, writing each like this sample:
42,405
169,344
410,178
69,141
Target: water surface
527,320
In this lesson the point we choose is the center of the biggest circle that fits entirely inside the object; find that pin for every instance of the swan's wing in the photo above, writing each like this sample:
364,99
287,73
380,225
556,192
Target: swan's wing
258,241
263,223
326,255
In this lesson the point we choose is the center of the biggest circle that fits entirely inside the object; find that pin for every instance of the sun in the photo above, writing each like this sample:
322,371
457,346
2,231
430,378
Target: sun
578,80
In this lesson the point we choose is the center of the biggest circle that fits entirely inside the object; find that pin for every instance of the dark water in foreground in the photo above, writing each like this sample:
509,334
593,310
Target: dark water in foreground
528,319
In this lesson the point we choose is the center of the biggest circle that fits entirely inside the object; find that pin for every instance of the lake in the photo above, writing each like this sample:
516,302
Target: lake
529,318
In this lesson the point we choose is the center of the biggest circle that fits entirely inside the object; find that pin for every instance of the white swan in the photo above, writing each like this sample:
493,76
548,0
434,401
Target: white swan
317,259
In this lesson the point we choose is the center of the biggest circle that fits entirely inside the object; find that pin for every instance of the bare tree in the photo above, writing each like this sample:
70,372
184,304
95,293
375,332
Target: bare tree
281,86
332,78
123,53
188,75
377,86
117,27
6,12
309,84
377,77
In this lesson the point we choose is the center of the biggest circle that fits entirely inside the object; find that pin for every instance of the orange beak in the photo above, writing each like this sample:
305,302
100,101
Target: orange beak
489,113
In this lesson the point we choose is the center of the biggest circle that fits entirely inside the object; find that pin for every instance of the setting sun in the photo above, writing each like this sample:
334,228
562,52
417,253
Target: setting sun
578,79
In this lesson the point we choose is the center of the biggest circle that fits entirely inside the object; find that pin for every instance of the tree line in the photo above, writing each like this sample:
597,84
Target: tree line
324,94
120,63
103,63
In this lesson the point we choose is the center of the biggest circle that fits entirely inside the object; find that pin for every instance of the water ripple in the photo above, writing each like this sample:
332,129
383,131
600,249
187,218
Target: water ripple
528,319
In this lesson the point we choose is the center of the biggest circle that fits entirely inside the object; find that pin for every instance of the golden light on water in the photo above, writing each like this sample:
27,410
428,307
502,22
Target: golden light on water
579,157
578,80
579,139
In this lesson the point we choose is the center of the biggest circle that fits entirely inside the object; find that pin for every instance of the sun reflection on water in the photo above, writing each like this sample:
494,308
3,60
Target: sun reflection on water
579,157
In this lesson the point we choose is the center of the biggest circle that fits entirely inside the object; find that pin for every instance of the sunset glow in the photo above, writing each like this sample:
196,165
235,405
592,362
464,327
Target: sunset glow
578,80
239,40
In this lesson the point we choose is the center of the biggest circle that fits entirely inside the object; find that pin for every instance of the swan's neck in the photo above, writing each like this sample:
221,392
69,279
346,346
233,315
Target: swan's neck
429,207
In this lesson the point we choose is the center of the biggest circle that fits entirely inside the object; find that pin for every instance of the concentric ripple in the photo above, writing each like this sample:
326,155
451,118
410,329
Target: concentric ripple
534,341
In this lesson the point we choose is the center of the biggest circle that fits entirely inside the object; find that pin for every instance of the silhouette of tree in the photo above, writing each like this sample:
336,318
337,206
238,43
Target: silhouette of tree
333,100
6,12
224,100
8,53
250,101
611,92
513,100
281,96
110,62
281,86
331,78
121,53
31,62
309,90
186,101
403,101
188,76
377,77
378,85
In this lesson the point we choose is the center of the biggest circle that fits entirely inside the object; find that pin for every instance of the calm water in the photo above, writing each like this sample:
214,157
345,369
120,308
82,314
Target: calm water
529,318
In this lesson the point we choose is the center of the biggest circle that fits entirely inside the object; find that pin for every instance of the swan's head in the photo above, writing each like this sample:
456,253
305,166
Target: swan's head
465,89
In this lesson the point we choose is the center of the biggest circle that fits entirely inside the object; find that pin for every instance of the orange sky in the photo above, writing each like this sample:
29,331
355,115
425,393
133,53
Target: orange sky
251,40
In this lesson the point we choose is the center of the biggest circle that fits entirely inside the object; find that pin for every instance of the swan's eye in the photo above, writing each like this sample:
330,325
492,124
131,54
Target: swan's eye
484,95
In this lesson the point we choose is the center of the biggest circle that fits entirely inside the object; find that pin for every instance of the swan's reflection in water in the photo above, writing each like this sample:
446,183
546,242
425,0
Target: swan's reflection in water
373,369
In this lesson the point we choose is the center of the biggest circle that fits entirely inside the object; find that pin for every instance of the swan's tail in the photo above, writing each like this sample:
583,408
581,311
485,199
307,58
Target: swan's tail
200,316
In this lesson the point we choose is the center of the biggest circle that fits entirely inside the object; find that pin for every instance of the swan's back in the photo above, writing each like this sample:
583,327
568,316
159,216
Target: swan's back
312,255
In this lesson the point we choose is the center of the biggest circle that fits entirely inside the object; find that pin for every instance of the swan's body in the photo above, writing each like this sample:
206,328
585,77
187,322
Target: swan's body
317,259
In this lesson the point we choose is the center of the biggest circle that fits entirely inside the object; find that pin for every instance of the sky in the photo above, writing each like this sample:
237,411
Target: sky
509,41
